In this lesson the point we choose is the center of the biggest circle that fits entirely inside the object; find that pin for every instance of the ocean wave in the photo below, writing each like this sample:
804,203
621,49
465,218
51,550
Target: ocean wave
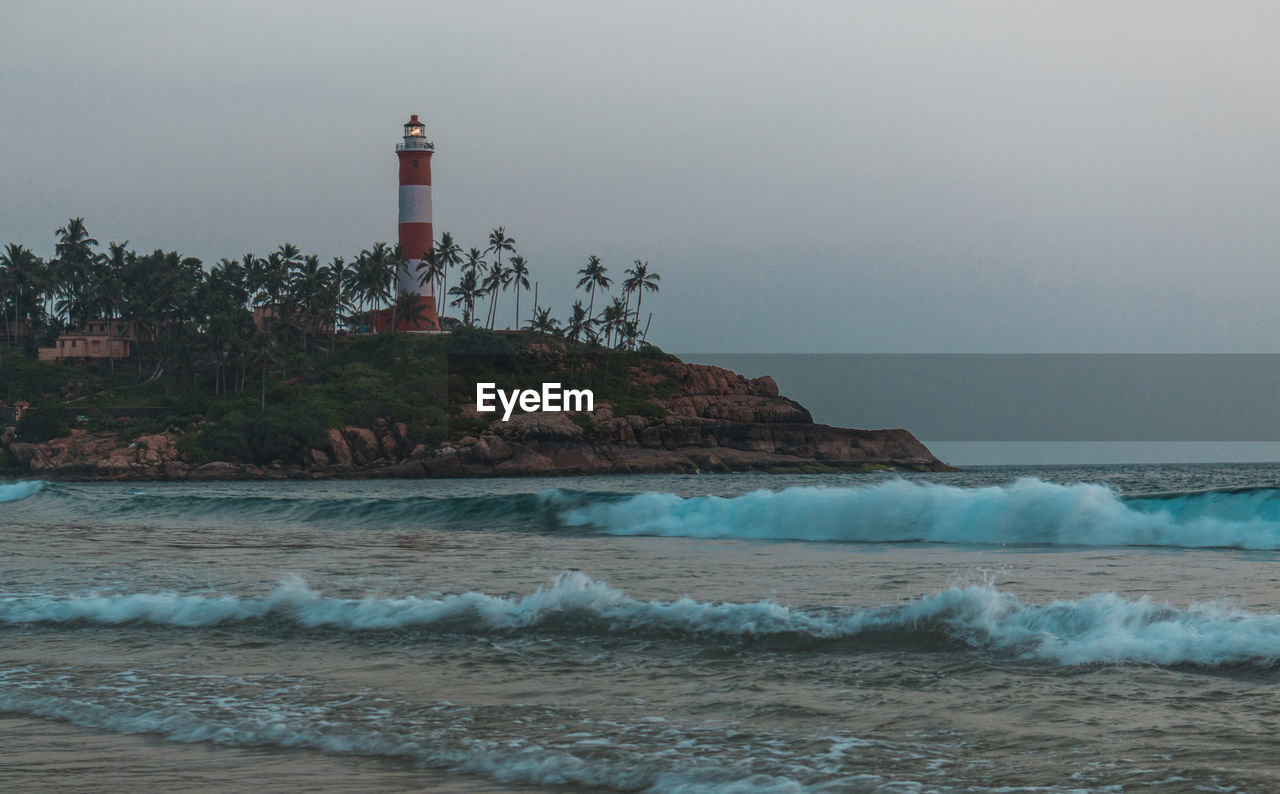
321,729
1028,511
17,491
1101,628
218,505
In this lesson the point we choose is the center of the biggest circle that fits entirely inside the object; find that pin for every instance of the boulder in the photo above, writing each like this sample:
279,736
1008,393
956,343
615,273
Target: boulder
339,447
363,444
217,470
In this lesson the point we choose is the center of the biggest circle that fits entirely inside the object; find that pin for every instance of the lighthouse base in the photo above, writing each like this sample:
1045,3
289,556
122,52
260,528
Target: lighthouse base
421,316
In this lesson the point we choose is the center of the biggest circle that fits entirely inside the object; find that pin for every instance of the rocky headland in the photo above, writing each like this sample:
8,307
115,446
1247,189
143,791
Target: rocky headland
713,420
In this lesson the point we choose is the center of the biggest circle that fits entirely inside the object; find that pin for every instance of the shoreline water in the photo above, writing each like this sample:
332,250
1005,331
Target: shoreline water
997,629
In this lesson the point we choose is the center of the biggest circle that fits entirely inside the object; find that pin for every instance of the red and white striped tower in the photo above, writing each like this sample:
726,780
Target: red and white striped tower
415,225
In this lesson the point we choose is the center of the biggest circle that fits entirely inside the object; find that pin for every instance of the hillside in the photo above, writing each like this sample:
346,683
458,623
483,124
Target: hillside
403,406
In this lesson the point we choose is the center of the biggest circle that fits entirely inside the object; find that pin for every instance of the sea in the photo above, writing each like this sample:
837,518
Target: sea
999,629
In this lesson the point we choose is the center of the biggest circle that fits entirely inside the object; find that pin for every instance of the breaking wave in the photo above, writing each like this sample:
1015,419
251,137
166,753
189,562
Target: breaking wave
17,491
1028,511
1101,628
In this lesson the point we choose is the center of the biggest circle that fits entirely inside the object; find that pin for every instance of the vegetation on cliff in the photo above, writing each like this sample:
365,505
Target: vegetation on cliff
421,381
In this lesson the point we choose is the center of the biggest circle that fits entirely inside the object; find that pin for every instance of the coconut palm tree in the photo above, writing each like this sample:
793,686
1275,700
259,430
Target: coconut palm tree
430,270
519,276
592,276
109,291
638,280
337,296
475,261
494,282
544,323
450,255
375,276
499,242
467,290
579,323
74,261
613,316
23,277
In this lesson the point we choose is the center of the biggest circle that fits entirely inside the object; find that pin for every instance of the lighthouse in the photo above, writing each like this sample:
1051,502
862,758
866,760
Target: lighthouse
415,228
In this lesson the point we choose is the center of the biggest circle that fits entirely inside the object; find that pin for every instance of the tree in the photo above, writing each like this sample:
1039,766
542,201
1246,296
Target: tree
466,291
74,261
21,277
614,316
374,276
475,261
494,282
638,280
579,323
108,295
265,355
430,270
450,255
544,323
519,277
592,276
499,242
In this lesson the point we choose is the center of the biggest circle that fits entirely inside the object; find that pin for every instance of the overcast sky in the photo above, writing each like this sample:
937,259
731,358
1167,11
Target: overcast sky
818,177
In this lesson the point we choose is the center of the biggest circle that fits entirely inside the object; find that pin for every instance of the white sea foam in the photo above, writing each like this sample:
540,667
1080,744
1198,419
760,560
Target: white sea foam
1028,511
1101,628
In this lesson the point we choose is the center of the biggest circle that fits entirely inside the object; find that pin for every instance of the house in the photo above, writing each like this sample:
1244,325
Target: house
100,339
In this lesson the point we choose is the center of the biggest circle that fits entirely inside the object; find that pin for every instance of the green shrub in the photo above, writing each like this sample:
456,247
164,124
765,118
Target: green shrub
189,446
631,406
227,438
44,423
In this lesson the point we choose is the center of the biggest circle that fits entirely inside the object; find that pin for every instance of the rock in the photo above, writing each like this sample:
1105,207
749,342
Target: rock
363,444
491,449
764,385
217,470
316,457
339,447
401,431
390,448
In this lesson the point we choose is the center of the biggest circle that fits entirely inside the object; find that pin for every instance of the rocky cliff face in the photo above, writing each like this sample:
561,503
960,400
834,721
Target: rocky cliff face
716,420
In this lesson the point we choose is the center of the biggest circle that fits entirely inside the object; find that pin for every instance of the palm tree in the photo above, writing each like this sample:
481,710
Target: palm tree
579,322
475,261
638,280
409,308
494,282
450,255
109,297
466,291
74,261
430,271
519,276
499,242
375,275
337,295
22,277
264,352
614,315
593,275
544,323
